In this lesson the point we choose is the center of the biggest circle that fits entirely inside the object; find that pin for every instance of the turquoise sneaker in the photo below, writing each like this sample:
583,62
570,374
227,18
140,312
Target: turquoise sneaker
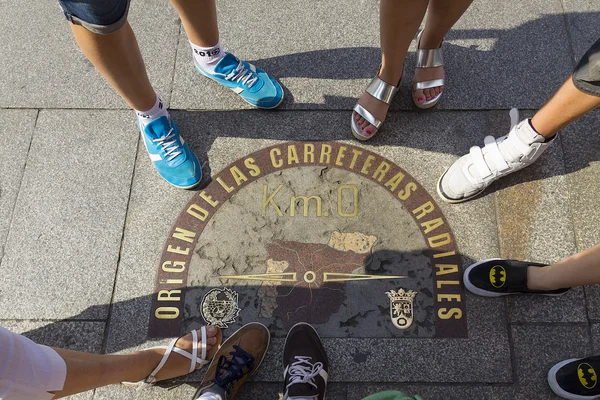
171,156
253,84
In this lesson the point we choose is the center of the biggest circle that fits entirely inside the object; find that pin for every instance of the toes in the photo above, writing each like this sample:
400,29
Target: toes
211,331
420,96
211,341
369,130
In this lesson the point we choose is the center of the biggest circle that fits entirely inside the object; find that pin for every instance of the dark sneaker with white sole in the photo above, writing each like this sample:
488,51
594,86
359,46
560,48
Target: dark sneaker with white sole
497,277
237,359
305,364
576,379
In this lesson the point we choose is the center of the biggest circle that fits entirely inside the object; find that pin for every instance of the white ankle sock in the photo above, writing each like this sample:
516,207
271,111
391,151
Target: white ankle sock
159,110
208,57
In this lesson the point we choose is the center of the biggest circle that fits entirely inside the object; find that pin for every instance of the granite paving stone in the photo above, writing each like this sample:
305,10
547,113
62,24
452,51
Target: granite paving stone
580,15
534,224
595,332
17,129
62,252
332,73
538,347
153,207
583,166
46,68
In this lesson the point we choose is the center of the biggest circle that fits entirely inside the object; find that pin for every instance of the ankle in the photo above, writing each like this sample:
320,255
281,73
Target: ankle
391,75
430,40
537,279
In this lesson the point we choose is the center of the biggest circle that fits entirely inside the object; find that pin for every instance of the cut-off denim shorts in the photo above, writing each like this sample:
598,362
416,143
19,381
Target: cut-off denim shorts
587,73
98,16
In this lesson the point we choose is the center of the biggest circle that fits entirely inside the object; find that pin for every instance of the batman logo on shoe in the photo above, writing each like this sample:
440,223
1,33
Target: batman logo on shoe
587,375
497,276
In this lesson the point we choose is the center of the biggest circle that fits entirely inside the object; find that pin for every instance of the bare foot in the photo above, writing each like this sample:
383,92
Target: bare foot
178,365
376,107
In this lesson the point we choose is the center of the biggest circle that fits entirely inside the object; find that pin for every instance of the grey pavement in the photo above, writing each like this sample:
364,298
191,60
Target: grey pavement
84,216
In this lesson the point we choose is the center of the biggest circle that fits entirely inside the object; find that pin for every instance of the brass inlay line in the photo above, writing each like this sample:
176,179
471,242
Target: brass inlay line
284,277
341,277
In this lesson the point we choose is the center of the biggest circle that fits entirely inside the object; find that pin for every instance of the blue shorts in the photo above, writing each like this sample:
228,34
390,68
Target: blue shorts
98,16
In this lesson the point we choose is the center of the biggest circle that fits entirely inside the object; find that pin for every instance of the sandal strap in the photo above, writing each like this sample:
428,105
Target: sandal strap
152,377
429,84
366,114
381,90
429,58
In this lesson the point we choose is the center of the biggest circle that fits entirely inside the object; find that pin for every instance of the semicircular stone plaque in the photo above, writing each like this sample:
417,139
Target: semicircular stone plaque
318,232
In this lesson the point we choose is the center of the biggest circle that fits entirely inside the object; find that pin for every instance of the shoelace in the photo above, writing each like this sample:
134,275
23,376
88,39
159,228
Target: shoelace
231,370
243,75
303,371
170,147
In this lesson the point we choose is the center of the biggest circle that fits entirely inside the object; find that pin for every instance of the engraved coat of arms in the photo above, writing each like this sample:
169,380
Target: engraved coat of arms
220,307
401,307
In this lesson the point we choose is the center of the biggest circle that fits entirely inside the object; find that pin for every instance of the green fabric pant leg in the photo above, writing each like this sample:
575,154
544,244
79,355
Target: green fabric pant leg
392,395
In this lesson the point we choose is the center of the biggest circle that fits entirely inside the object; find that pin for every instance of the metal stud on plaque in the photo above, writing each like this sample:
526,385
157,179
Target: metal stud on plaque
220,307
401,307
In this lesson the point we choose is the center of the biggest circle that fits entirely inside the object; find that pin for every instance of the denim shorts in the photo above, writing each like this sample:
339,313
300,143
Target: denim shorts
587,73
98,16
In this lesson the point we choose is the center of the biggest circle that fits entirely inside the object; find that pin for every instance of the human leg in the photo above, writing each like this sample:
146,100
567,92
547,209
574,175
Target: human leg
398,23
472,173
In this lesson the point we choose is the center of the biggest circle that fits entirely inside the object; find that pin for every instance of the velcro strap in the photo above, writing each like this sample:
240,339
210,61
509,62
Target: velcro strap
429,84
479,162
492,151
429,58
381,90
363,112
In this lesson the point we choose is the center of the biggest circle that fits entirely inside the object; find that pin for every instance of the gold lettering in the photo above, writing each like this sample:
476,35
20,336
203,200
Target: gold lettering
178,250
393,183
448,297
445,269
198,212
185,235
208,199
444,313
340,156
270,200
254,170
367,164
292,155
167,313
176,266
169,295
305,201
408,189
225,186
238,175
341,212
383,168
309,153
424,210
276,163
439,240
431,225
355,157
325,152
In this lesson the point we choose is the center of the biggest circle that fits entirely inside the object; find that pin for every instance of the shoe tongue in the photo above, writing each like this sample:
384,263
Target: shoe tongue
227,64
523,133
158,128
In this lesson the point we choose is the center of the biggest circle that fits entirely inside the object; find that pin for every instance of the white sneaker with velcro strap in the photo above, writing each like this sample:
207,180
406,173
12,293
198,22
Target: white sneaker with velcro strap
472,173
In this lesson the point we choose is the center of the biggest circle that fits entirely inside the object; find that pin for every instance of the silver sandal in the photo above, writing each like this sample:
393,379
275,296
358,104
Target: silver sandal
382,91
428,58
